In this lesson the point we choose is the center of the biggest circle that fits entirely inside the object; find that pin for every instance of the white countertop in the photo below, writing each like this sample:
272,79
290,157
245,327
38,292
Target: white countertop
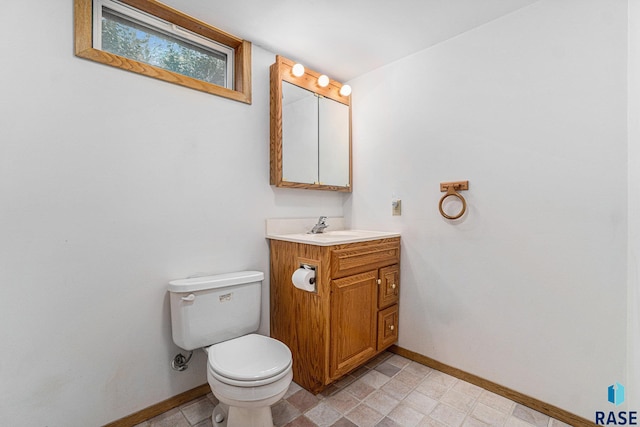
336,237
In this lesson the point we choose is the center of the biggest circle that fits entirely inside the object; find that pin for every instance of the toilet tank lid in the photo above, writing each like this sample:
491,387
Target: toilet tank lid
217,281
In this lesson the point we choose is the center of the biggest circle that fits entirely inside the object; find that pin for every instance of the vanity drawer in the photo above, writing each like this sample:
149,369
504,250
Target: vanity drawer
387,327
358,259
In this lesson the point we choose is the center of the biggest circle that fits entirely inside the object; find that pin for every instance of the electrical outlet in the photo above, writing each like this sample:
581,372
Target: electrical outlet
396,207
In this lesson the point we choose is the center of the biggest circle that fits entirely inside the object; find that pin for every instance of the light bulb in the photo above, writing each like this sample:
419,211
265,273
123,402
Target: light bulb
323,81
298,70
345,90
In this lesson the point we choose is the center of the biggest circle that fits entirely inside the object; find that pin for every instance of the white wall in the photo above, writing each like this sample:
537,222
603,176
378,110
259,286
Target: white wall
633,296
529,289
111,184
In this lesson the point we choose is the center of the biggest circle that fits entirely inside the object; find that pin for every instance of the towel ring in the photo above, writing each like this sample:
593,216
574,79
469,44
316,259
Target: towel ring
451,192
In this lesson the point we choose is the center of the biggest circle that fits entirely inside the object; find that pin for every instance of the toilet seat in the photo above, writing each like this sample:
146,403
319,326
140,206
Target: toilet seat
249,361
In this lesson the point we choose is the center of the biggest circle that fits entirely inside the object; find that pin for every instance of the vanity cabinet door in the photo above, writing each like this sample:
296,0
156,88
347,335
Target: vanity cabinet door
389,287
353,321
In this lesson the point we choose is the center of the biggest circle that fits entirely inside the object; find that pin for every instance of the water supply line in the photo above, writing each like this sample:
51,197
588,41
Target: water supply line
180,361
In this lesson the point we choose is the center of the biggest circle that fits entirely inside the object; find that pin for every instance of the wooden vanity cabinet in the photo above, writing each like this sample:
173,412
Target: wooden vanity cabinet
352,317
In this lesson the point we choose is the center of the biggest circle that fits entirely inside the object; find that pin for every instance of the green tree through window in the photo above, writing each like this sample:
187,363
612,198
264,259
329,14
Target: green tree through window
132,40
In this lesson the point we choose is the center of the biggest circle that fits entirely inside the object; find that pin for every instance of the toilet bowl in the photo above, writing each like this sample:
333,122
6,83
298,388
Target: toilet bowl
247,375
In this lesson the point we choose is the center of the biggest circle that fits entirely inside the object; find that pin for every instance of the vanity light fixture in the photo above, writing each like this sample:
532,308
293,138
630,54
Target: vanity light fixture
345,90
323,81
298,70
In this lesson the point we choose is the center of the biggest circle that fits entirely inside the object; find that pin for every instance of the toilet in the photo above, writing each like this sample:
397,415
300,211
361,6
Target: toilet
247,372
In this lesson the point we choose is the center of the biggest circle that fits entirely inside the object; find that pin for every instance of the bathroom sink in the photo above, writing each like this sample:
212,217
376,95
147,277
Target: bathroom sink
339,234
335,237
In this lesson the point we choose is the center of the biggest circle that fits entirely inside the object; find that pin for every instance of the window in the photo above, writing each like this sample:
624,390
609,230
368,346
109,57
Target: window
149,38
124,31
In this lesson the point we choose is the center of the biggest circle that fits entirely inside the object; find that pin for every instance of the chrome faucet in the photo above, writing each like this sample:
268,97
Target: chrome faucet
320,226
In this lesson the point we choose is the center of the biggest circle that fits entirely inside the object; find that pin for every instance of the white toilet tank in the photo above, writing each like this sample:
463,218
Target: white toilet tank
211,309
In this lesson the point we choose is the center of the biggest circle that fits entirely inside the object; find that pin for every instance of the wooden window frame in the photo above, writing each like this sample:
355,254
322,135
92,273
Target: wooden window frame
83,22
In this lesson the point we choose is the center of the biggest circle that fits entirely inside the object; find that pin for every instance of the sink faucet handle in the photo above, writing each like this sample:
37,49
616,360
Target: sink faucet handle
322,220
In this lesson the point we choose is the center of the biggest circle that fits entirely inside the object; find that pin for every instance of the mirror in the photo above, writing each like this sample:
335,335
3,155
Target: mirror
310,131
299,134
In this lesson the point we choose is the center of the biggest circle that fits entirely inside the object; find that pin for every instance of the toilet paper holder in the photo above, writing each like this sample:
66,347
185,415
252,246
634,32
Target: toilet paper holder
305,278
310,267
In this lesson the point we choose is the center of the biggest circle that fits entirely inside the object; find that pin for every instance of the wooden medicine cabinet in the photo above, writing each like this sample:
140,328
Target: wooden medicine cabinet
310,131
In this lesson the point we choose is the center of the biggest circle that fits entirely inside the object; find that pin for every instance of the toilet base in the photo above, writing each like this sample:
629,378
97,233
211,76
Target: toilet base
242,417
219,415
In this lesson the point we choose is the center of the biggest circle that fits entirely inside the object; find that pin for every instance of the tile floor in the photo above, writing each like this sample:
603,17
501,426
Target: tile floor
389,391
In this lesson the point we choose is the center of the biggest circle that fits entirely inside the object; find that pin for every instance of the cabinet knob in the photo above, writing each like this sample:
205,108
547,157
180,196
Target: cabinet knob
393,286
391,327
